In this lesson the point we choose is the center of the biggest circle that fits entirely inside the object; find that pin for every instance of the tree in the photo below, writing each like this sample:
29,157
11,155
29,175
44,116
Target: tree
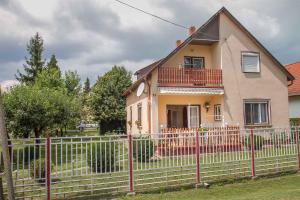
72,82
34,64
86,87
50,78
33,109
107,100
52,64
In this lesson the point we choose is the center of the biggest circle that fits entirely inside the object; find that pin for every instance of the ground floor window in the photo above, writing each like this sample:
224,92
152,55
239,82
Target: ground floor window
217,112
257,112
183,116
139,114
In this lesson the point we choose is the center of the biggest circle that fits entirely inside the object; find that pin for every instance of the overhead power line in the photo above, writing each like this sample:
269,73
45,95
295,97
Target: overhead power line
153,15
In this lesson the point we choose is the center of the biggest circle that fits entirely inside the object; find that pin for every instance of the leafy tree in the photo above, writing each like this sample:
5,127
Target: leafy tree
86,87
50,78
52,64
34,64
72,82
31,109
107,100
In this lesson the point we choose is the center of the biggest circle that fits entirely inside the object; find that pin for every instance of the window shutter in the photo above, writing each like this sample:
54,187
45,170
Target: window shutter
250,62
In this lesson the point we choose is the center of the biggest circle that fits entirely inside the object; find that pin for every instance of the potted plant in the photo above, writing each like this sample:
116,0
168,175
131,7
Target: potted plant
130,124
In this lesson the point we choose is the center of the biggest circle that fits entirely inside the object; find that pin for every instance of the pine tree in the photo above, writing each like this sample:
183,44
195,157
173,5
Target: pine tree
52,64
35,63
87,87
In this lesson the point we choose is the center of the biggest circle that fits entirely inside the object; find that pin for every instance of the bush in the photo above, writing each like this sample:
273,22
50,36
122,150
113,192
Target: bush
294,121
293,134
143,149
258,142
38,169
105,159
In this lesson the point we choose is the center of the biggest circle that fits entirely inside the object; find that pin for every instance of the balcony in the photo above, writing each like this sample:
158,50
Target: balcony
189,77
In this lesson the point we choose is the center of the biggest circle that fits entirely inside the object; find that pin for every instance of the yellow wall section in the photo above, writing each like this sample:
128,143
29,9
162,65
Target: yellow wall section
192,50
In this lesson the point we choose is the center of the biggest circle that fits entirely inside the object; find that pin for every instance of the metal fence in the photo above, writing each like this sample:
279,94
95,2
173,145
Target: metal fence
74,167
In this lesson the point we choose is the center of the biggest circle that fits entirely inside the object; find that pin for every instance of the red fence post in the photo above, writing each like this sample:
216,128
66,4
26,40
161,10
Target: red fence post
130,165
252,153
48,167
198,179
297,146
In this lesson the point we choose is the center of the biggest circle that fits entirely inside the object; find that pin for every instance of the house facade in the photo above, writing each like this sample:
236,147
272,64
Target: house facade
220,75
294,92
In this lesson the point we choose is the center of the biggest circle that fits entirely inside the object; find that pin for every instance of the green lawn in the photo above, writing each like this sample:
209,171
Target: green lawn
283,188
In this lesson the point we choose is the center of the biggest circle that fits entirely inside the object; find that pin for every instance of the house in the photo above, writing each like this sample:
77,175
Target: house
7,85
220,75
294,93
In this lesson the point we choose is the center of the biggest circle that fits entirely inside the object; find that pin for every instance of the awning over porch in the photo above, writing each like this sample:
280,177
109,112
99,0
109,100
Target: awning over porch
190,91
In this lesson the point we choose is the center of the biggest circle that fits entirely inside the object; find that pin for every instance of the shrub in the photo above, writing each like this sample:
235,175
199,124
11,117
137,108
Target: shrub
279,138
38,169
293,134
143,149
105,159
294,121
258,142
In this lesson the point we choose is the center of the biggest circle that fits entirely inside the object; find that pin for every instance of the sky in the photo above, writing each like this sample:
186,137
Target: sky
91,36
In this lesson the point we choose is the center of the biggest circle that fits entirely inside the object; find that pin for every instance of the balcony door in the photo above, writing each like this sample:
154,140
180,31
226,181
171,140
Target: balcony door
193,116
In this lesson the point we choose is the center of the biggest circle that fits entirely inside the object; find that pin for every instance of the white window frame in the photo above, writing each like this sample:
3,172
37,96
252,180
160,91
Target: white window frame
217,112
268,114
253,54
197,117
139,113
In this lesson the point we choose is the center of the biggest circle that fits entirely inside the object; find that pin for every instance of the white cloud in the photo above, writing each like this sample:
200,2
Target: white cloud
93,35
263,25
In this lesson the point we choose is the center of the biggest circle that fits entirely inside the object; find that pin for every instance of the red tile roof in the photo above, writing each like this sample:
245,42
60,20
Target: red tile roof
294,69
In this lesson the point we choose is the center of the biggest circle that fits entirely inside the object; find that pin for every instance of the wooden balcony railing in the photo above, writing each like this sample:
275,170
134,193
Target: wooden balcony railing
174,76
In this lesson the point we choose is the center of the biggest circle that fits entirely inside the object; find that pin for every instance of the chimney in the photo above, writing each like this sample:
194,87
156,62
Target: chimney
192,29
178,42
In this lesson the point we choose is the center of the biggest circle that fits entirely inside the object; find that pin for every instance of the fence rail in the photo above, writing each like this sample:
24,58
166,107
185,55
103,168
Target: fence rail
72,167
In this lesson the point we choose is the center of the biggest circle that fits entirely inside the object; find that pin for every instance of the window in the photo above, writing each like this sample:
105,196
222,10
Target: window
250,62
256,112
194,62
217,112
130,119
139,110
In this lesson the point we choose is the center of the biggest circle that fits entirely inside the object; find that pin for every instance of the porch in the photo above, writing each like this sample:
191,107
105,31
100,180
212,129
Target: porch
189,111
214,139
189,77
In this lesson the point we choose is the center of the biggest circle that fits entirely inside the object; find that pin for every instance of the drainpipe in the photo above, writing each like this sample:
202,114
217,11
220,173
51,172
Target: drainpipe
149,104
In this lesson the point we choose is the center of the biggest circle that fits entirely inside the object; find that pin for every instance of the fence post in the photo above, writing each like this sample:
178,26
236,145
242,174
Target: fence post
252,153
130,165
48,167
6,154
198,179
297,146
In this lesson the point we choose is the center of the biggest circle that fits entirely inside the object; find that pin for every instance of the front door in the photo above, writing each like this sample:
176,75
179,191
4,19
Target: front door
193,116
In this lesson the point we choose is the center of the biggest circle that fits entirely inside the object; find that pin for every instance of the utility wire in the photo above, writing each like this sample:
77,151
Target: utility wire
153,15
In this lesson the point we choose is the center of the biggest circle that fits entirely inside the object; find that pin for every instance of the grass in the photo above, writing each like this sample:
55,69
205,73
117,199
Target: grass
278,188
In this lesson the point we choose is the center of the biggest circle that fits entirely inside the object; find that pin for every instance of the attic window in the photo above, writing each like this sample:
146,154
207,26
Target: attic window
250,62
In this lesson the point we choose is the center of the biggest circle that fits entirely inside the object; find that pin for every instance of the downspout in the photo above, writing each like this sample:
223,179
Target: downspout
149,104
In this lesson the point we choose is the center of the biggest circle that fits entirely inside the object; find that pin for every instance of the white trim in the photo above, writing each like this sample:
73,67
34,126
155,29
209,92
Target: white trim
252,54
190,91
